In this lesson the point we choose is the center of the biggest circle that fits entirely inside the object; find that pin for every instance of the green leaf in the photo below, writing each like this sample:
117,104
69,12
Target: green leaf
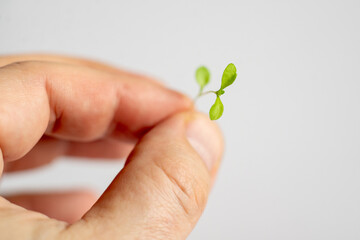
216,110
202,76
228,76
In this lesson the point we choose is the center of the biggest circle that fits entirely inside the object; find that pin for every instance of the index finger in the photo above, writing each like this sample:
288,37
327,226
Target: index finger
8,59
76,103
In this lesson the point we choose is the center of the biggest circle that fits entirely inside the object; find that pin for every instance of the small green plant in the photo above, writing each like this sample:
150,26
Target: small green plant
203,78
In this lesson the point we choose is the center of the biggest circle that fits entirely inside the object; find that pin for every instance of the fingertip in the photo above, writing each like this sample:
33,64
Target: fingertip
184,101
202,134
206,138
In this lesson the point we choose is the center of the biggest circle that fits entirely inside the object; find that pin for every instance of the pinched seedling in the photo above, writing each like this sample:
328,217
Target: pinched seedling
203,78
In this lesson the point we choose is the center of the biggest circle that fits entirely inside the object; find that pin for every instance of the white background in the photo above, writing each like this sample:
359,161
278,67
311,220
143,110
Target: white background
291,168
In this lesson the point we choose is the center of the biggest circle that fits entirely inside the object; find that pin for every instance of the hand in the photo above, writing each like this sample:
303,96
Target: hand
52,106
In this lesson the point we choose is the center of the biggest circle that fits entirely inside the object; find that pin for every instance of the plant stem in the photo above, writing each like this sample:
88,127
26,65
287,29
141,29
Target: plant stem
202,94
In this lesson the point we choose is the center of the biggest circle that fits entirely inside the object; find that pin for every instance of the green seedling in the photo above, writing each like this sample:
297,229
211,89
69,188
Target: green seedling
203,78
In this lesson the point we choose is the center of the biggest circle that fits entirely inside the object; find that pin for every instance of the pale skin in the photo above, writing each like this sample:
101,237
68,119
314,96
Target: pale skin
54,105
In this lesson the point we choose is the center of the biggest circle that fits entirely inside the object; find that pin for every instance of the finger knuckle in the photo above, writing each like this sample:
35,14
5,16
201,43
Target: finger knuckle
188,189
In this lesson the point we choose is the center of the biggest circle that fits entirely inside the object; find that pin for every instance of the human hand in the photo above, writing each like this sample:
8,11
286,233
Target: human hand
62,106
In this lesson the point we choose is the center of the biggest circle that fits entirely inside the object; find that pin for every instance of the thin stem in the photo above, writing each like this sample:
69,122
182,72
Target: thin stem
202,94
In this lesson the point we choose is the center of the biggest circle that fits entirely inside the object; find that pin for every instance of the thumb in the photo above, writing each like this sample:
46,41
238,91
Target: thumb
163,188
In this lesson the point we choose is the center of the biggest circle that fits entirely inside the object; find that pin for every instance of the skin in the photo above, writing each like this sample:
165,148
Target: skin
52,106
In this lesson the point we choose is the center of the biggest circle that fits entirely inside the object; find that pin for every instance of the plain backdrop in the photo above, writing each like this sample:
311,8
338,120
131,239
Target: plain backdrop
291,168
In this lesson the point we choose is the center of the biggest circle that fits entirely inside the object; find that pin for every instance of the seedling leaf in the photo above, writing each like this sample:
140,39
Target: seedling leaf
216,110
202,77
228,76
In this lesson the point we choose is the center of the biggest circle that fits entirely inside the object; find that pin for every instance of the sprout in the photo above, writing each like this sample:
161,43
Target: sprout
203,78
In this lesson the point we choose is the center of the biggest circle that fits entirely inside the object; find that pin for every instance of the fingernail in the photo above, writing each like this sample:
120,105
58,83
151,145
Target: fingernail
205,137
1,162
